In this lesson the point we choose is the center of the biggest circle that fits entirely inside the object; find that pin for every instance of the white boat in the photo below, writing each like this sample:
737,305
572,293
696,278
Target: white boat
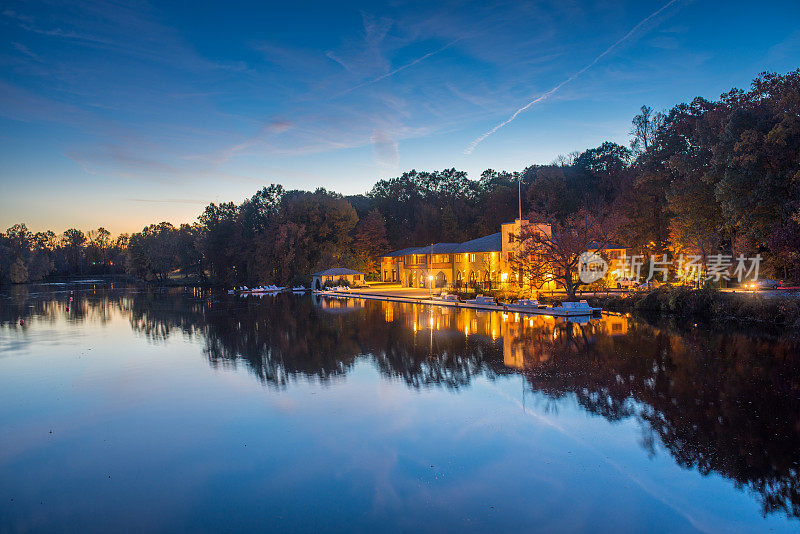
262,289
574,308
299,289
524,305
446,297
482,300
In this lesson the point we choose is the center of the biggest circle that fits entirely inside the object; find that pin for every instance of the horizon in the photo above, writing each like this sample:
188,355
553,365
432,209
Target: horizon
127,116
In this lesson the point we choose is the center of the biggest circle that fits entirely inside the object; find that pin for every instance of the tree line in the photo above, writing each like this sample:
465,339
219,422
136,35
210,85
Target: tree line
704,177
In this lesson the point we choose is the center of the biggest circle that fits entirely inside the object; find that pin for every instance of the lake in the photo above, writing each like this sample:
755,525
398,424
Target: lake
125,409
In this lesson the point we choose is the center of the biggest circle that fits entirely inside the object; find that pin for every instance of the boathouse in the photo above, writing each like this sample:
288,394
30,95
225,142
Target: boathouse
337,276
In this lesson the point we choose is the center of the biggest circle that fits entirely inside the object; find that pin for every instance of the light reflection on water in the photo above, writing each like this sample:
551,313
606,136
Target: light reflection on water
181,409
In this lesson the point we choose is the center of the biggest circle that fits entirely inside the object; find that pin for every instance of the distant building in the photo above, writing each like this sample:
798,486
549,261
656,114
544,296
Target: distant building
484,262
337,276
619,262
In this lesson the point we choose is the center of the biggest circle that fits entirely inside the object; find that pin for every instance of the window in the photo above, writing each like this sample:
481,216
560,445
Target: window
510,256
472,258
486,257
510,237
457,257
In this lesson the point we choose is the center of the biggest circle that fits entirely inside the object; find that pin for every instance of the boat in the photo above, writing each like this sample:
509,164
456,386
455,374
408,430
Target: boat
525,305
482,300
575,308
299,289
262,290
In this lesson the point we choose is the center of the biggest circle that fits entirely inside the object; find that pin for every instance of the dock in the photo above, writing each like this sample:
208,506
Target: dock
556,311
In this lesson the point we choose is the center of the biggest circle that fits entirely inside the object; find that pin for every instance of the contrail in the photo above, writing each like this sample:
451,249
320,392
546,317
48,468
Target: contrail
398,69
549,93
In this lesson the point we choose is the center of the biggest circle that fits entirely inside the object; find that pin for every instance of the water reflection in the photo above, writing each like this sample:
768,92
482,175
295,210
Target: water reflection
725,403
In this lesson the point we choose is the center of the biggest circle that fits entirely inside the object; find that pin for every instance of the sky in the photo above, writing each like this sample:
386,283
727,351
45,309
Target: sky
124,114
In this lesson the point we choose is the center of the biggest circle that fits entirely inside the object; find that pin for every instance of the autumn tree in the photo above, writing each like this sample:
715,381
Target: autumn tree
370,241
555,254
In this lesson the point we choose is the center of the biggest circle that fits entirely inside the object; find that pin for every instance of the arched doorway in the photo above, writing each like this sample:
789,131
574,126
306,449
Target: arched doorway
486,282
410,279
472,278
459,278
317,285
441,279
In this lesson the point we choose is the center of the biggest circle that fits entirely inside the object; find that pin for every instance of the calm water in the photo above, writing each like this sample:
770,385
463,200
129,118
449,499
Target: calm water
128,410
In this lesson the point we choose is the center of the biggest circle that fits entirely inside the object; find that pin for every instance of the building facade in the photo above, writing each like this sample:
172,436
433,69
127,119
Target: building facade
337,276
486,262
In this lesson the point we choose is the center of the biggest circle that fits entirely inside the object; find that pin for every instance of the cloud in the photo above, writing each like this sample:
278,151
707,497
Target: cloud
643,26
279,126
26,51
385,149
399,69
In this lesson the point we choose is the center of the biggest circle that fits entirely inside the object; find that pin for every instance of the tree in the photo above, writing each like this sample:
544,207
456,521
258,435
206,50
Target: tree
370,240
646,126
73,242
18,273
555,254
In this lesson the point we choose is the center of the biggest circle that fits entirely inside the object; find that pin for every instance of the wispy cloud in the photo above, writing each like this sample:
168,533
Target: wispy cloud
400,69
641,27
385,149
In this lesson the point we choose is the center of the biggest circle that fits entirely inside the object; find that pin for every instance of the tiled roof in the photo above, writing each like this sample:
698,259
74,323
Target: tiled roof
403,252
337,271
489,243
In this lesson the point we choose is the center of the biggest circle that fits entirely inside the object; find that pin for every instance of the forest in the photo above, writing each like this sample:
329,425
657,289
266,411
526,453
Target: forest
704,177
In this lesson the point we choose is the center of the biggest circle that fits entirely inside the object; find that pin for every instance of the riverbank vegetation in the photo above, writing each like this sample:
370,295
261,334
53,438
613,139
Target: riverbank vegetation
704,177
708,304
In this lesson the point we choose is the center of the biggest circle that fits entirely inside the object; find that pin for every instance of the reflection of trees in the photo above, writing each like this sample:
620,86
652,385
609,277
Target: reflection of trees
719,403
294,337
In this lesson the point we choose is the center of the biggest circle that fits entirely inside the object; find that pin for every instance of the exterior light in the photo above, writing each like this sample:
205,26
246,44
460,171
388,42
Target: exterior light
430,277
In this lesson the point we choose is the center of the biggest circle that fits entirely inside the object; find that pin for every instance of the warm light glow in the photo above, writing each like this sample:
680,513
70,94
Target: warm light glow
503,277
430,277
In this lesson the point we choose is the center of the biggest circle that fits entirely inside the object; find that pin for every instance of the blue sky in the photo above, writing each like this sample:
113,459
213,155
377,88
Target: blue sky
124,114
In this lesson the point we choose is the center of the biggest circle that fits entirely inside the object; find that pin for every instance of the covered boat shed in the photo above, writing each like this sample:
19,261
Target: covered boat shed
337,275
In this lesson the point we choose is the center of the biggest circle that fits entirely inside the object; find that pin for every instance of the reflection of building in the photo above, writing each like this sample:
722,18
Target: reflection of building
484,262
527,340
613,324
338,304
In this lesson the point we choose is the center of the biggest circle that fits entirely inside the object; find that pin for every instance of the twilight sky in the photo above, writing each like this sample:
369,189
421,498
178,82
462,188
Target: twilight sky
122,114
